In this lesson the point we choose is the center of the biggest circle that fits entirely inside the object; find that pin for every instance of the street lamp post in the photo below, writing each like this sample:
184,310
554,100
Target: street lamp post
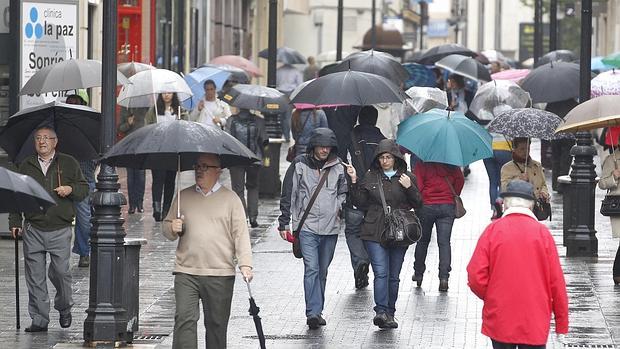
339,31
553,25
373,25
538,30
272,44
106,321
581,238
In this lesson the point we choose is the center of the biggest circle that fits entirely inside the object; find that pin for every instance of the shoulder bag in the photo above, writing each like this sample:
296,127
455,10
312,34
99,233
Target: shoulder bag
610,206
459,208
296,244
402,227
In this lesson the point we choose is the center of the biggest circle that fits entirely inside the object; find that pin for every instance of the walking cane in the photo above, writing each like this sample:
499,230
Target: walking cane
17,282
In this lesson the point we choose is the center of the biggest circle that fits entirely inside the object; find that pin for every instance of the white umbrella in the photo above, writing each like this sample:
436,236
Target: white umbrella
146,85
71,74
495,97
423,99
130,69
604,84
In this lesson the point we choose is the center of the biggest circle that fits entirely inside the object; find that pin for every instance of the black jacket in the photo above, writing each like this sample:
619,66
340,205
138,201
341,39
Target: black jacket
249,129
363,153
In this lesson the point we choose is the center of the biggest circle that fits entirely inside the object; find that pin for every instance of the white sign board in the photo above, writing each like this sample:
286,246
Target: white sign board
49,32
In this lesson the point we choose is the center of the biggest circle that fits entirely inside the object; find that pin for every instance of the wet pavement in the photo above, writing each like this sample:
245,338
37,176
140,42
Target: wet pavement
427,318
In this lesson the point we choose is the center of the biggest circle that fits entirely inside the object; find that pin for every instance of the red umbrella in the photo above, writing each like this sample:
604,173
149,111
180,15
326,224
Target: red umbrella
239,62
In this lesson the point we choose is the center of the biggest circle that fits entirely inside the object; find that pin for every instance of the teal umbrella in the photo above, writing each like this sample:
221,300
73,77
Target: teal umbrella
446,137
612,60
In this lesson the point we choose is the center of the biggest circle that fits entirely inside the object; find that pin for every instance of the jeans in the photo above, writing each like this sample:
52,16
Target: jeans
500,345
135,187
494,168
318,251
246,176
83,226
442,216
386,265
357,250
163,181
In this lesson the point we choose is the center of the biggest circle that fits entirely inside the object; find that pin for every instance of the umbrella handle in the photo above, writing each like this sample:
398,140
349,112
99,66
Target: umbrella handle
249,289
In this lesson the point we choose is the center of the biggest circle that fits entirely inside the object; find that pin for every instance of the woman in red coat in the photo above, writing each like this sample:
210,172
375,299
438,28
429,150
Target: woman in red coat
516,271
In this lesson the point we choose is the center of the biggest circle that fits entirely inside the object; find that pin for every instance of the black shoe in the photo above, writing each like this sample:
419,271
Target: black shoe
313,322
84,261
617,280
35,328
443,285
380,320
391,322
361,276
65,320
322,321
131,210
417,279
466,171
140,209
157,211
253,223
498,209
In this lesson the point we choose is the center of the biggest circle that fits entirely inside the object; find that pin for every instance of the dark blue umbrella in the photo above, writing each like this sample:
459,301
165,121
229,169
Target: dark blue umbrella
419,75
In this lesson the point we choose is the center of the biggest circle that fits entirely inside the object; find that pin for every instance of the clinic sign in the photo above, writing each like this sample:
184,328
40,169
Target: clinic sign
49,34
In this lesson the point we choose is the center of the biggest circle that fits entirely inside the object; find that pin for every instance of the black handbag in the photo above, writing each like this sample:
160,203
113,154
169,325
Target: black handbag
610,206
542,210
402,227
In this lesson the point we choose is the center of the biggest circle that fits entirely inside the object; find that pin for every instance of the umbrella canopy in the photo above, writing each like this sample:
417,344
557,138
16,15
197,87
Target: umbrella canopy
607,83
77,127
71,74
237,75
239,62
285,55
351,88
494,97
597,64
309,105
514,75
423,99
436,53
494,55
446,137
375,62
419,75
526,122
465,66
613,60
557,56
256,97
130,69
196,79
146,85
329,56
164,144
21,193
597,112
552,82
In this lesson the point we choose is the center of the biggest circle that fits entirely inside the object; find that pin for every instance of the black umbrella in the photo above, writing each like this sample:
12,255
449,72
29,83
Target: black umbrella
465,66
526,122
350,87
552,82
436,53
328,69
256,97
285,55
78,129
237,75
375,62
21,193
254,310
557,56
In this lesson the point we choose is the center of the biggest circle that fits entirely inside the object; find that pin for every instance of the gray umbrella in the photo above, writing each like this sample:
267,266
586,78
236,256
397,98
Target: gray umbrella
436,53
285,55
71,74
497,96
256,97
552,82
526,122
465,66
557,56
375,62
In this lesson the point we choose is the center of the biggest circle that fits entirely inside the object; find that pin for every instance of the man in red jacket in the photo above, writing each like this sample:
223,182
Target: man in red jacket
515,270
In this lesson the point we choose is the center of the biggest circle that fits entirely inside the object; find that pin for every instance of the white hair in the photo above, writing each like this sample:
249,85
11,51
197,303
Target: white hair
515,201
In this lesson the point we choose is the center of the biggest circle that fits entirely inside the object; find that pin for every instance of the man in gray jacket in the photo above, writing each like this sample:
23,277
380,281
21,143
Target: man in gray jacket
319,232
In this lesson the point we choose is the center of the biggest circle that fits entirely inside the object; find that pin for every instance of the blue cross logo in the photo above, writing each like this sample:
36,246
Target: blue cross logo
33,28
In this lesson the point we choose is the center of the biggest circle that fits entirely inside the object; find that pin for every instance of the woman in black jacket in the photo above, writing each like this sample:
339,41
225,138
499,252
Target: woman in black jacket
390,169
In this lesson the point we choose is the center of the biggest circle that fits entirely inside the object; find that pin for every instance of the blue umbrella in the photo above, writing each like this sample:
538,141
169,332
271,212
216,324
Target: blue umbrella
446,137
196,79
419,75
597,64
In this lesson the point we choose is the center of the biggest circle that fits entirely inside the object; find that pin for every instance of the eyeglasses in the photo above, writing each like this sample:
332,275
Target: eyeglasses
204,168
386,158
43,138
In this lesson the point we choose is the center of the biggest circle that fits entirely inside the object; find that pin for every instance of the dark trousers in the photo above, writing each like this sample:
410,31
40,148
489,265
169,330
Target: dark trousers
135,187
163,181
617,263
246,177
500,345
442,217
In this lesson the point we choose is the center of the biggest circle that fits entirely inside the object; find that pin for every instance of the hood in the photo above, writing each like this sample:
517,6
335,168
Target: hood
323,137
390,146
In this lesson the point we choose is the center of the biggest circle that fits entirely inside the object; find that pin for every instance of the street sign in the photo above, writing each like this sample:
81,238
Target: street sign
526,40
49,34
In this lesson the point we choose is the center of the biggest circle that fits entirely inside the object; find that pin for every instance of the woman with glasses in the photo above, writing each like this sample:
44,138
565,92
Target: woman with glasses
389,170
167,108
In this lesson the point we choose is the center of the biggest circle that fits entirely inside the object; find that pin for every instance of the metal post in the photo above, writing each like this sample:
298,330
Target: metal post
180,17
498,25
581,239
339,31
538,30
273,43
373,25
553,25
106,321
423,21
481,11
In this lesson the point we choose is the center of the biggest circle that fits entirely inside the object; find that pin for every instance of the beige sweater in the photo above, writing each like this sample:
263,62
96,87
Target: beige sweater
216,233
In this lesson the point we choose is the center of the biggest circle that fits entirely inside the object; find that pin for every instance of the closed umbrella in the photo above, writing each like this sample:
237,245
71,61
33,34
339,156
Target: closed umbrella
256,97
285,55
597,112
514,75
557,56
375,62
465,66
130,69
423,99
436,53
196,79
239,62
350,87
446,137
419,75
254,310
526,122
237,75
146,85
552,82
497,96
78,129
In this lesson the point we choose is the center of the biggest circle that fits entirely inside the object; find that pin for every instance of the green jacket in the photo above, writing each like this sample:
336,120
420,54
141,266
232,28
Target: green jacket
61,215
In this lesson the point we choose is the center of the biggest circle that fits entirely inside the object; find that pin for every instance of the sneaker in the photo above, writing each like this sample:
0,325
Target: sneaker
417,279
391,322
380,320
361,276
322,321
84,261
313,322
443,285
